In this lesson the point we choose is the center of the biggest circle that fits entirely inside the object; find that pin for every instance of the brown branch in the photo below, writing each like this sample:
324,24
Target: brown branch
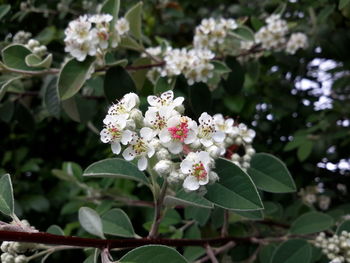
211,254
218,251
49,239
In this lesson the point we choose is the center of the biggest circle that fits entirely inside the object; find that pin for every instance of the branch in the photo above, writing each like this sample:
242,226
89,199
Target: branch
211,254
49,239
218,251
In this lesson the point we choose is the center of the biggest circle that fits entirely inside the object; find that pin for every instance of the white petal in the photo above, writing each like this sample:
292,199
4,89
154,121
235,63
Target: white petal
129,154
168,95
175,147
178,101
105,136
204,157
191,137
206,143
116,147
150,151
164,136
186,166
126,137
152,100
191,183
205,181
219,136
142,163
147,133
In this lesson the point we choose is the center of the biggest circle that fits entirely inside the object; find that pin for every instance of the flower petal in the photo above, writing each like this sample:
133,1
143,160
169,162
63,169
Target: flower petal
191,183
129,154
116,147
186,166
142,163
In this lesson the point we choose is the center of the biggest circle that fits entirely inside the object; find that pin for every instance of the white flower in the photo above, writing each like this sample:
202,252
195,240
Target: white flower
101,20
122,26
295,42
157,118
141,148
125,105
222,124
115,133
207,132
179,130
78,30
165,99
243,134
197,168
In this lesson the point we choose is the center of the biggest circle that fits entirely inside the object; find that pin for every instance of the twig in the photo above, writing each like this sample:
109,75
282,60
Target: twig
211,254
218,251
153,233
224,229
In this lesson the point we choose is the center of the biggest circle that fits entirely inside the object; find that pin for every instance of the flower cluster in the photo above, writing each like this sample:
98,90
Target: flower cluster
273,36
194,64
313,194
13,251
336,248
164,135
36,48
21,37
212,32
92,35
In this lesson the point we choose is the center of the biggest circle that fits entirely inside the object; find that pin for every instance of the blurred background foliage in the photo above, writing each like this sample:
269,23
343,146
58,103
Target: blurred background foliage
299,106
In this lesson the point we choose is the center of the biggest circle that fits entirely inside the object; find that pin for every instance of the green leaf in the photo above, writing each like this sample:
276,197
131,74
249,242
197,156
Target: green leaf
220,67
266,252
117,83
270,174
91,221
256,23
342,4
6,195
33,60
293,251
295,143
111,7
164,84
4,9
244,33
116,168
79,109
192,253
305,150
200,98
198,214
134,16
14,57
129,43
280,9
234,190
47,35
6,111
55,230
5,84
187,199
153,254
116,223
73,76
311,222
253,215
344,226
51,99
235,80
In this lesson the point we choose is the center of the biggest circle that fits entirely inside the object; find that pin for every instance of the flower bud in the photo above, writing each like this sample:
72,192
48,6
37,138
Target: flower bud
162,154
32,43
213,177
213,151
163,167
238,141
196,144
21,259
136,115
235,157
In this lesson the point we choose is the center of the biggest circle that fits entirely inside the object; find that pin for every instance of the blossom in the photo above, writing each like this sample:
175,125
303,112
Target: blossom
140,147
179,130
207,133
197,168
157,119
243,134
125,105
295,42
165,99
222,124
122,26
115,133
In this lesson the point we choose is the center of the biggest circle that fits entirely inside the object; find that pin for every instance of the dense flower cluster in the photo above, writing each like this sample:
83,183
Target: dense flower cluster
212,32
21,37
194,64
36,48
13,251
313,194
274,35
164,134
92,35
336,248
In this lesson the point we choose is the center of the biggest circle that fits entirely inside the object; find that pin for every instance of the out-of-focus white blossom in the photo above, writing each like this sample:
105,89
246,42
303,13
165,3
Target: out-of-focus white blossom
295,42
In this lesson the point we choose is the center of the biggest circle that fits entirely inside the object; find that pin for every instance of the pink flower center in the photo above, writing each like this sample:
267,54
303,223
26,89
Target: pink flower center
199,171
179,132
114,132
